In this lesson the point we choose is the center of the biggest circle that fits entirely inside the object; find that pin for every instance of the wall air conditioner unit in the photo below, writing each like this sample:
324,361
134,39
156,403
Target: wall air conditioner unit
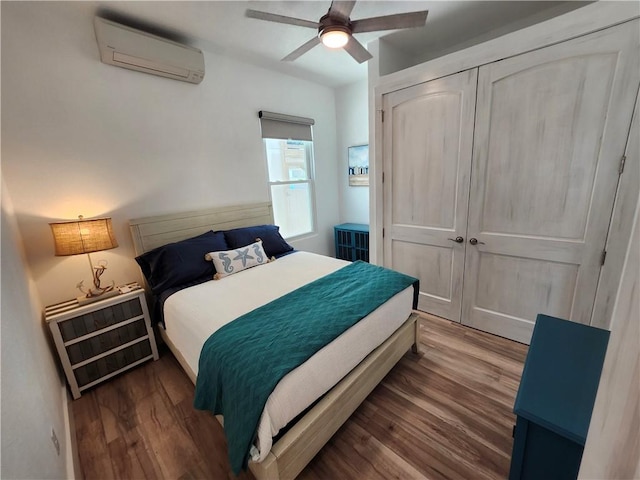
126,47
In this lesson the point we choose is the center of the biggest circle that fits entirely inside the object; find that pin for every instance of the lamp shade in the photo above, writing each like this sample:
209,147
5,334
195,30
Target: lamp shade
83,236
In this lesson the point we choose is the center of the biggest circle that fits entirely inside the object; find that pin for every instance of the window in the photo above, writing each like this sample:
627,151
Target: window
289,153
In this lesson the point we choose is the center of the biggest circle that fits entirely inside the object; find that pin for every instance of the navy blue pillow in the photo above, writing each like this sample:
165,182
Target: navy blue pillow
272,241
180,262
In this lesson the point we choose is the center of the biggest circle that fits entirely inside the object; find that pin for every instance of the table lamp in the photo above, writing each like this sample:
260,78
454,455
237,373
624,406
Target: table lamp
86,236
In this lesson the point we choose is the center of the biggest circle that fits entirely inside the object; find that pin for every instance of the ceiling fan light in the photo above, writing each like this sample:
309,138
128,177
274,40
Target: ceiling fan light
334,38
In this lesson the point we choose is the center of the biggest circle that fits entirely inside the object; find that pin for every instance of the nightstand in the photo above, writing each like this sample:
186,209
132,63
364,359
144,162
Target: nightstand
555,399
99,340
352,241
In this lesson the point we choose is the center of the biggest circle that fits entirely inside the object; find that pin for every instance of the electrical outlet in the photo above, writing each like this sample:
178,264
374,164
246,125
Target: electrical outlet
54,439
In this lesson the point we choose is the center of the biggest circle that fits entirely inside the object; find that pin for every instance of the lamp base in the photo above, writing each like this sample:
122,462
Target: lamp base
83,299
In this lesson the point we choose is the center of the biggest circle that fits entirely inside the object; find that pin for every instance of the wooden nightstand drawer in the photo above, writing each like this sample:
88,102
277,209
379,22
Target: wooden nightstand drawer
103,318
98,344
100,340
97,370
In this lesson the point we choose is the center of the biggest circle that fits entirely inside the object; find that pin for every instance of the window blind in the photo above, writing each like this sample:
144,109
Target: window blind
286,127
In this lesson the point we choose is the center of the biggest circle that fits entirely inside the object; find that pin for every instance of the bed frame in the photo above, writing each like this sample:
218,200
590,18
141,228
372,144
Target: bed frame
294,450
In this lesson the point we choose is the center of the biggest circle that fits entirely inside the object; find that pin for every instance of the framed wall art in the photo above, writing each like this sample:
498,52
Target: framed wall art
358,165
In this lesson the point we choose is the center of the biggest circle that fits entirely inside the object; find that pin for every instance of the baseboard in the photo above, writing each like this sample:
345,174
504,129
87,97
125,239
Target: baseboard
72,461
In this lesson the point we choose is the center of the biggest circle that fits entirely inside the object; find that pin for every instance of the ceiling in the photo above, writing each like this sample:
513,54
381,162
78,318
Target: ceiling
222,28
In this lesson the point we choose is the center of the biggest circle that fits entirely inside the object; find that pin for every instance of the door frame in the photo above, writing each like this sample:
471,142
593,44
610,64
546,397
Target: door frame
620,227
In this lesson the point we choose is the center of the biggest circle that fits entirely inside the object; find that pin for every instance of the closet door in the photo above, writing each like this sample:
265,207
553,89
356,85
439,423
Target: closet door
428,138
550,131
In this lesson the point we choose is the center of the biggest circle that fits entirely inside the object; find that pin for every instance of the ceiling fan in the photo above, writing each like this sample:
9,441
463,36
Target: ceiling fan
336,29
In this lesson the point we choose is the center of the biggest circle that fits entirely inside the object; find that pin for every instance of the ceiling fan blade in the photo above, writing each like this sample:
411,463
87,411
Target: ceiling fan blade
302,49
272,17
341,9
357,51
390,22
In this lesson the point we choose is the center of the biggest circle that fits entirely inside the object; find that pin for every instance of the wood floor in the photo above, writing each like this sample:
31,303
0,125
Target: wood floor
443,414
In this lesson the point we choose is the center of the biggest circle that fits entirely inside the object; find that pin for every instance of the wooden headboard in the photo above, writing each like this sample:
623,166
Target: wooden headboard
151,232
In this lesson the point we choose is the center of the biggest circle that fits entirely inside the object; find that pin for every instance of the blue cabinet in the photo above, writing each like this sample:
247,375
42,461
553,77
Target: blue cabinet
352,241
555,399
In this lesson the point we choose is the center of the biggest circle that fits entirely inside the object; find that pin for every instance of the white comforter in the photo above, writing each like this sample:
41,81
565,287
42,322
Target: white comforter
193,314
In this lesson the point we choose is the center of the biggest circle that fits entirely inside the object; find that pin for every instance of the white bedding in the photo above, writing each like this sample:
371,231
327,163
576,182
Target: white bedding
193,314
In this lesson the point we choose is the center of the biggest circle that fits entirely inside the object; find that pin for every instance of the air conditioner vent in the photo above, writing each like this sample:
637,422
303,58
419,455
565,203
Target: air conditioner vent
126,47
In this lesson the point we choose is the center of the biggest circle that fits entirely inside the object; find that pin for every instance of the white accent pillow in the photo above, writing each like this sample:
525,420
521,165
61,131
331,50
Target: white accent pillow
233,261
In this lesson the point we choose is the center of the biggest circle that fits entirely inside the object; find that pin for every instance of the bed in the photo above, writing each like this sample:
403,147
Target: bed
186,328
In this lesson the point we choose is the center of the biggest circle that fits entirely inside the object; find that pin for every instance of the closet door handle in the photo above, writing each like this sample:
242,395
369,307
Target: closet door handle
475,241
457,239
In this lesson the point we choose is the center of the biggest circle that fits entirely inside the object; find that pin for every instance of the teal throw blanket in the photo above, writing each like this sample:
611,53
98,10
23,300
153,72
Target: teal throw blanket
242,362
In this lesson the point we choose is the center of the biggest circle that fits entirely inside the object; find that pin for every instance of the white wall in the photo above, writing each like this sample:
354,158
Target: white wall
352,114
33,392
82,137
